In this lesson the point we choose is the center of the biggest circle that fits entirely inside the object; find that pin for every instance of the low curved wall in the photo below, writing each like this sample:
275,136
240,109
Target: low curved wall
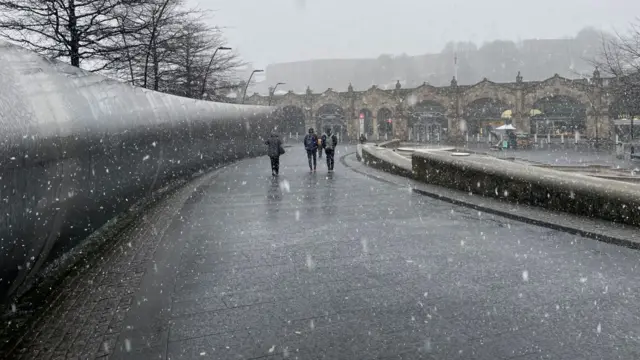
394,143
386,160
76,149
577,194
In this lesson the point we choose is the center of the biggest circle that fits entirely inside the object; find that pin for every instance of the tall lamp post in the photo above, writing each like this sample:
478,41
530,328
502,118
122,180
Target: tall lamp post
246,87
273,92
206,73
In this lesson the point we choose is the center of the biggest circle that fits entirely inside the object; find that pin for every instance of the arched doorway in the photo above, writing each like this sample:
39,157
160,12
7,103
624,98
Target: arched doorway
427,122
367,116
558,115
484,115
332,116
292,125
385,123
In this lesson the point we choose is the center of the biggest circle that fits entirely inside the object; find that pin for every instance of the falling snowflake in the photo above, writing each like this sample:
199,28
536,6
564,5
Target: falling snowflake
427,346
284,185
412,100
525,275
310,263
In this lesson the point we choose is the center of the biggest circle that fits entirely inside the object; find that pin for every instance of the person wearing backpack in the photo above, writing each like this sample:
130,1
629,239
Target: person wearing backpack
311,146
329,143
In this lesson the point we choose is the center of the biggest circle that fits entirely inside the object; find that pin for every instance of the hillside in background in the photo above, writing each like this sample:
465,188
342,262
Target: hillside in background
498,61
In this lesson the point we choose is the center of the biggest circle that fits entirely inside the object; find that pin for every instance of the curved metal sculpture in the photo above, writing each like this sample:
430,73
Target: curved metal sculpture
76,149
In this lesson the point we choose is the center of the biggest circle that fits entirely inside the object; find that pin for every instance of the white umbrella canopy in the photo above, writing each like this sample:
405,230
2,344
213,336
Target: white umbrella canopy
506,127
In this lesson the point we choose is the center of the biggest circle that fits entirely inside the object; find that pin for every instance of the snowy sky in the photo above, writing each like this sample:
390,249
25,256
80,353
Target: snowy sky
268,31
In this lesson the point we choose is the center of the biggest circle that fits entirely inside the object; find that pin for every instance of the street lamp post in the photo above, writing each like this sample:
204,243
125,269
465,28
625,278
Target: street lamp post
246,87
206,73
597,114
273,92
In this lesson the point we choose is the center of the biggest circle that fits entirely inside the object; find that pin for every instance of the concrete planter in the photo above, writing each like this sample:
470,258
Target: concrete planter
573,193
386,160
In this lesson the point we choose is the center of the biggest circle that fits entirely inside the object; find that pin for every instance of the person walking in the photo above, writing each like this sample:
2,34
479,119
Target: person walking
329,143
274,150
311,146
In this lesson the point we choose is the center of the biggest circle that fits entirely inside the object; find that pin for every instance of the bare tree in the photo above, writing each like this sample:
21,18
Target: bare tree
138,62
174,53
157,44
192,62
73,30
620,58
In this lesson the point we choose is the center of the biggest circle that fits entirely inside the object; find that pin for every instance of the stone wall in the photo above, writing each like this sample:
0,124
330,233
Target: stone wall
385,160
572,193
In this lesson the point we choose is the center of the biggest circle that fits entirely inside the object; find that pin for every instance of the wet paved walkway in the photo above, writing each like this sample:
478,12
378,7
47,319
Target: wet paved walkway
340,266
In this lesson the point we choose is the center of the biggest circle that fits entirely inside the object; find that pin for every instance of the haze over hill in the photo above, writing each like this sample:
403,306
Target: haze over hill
499,61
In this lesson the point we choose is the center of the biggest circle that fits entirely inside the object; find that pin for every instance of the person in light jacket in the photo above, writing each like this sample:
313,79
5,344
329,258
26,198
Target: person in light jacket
329,143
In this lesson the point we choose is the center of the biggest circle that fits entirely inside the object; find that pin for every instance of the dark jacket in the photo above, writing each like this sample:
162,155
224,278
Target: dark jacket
313,145
274,144
333,138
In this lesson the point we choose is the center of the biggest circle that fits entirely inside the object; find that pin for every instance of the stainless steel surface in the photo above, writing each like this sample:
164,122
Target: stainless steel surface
77,148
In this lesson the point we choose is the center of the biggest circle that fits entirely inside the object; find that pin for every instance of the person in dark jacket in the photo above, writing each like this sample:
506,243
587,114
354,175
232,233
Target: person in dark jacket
274,150
311,146
329,143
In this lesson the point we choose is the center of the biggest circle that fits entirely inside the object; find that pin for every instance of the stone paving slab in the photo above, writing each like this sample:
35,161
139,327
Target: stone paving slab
341,266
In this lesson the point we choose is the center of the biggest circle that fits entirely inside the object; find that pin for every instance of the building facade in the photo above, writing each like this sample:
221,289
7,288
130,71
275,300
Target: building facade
554,107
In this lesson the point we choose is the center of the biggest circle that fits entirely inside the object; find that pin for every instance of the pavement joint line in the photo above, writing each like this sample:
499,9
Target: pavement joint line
620,241
186,315
204,336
